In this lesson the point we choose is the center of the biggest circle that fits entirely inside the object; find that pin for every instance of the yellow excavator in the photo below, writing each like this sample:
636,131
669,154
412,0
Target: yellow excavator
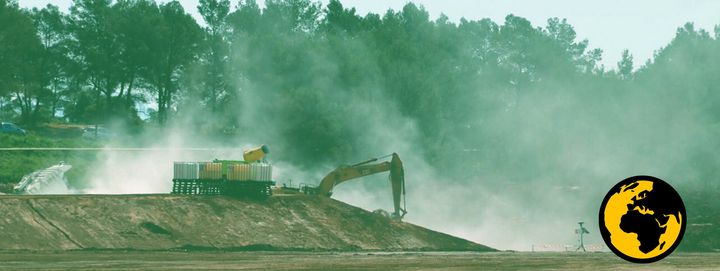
349,172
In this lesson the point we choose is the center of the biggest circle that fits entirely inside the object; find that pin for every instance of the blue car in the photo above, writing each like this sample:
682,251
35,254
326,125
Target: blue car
97,134
9,128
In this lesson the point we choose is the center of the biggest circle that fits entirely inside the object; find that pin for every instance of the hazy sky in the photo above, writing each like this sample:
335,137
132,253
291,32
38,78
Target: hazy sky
642,26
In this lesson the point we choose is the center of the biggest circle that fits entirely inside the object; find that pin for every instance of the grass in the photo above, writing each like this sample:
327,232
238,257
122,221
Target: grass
703,230
15,164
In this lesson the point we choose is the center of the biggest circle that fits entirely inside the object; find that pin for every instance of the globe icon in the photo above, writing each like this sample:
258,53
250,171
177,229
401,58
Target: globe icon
642,219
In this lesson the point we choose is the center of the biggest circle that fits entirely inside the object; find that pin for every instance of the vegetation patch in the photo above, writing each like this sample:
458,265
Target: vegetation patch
154,228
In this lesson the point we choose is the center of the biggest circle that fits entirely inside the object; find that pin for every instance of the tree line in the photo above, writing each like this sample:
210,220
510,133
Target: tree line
104,57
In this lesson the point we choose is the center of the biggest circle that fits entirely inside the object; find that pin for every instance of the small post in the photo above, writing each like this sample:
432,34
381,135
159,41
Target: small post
581,231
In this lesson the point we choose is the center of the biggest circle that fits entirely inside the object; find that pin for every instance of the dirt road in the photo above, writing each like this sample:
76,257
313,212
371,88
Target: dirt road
134,260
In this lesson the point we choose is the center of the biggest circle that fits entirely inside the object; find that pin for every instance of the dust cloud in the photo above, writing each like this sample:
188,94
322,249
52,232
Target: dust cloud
520,173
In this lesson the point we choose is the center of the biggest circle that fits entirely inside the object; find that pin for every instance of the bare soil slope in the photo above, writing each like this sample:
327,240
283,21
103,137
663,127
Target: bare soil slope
166,222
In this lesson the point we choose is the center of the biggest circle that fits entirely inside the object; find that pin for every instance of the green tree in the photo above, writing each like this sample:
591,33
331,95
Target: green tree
52,28
136,27
179,38
214,61
21,73
246,19
625,65
339,19
97,50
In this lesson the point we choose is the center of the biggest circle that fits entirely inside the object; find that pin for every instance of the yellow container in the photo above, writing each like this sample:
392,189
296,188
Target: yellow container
250,172
255,154
239,172
210,171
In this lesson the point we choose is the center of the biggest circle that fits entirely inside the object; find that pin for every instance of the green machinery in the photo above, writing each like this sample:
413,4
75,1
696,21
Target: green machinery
249,178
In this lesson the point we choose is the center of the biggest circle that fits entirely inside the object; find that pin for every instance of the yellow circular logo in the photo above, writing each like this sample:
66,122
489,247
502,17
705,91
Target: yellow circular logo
642,219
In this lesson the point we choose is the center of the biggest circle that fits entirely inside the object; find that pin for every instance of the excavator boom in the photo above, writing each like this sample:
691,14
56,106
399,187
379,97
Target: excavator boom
345,173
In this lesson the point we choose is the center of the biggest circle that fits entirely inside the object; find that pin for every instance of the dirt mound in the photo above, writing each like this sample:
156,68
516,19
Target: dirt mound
166,222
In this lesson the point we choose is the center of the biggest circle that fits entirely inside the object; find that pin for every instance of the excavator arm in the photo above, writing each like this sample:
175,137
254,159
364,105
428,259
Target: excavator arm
346,173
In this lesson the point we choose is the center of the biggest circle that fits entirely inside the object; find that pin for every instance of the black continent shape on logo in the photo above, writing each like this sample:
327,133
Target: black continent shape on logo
663,201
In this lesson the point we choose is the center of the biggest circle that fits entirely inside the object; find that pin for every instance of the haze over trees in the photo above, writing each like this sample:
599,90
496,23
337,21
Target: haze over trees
508,92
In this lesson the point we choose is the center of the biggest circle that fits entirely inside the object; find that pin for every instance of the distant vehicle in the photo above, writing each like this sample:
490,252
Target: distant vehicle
9,128
99,133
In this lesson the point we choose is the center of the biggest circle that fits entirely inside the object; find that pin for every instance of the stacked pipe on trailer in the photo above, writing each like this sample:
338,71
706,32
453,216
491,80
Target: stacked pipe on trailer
210,171
250,172
186,170
236,178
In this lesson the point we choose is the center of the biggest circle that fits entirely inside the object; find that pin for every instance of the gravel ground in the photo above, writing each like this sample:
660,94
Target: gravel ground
144,260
